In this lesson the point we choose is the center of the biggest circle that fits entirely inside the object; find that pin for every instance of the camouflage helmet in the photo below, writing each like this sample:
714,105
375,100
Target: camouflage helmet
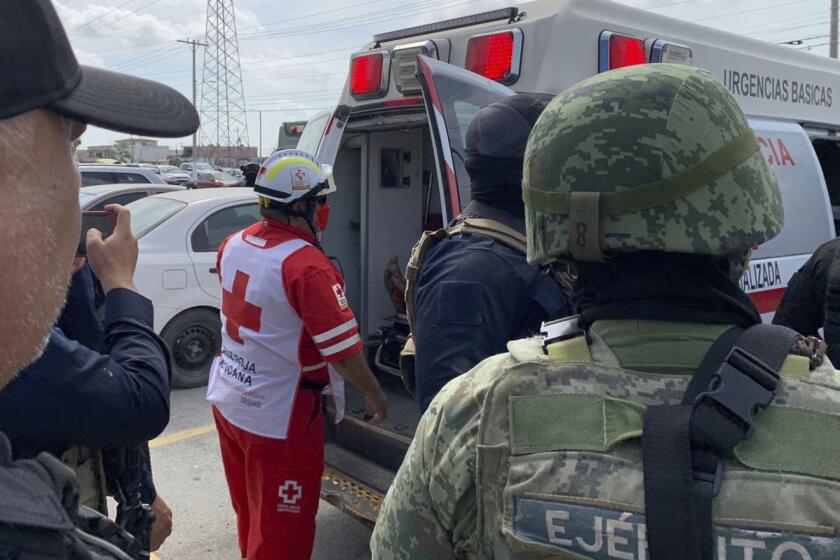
655,157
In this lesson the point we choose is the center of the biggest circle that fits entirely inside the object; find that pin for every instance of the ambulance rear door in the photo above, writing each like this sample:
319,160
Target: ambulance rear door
453,96
808,216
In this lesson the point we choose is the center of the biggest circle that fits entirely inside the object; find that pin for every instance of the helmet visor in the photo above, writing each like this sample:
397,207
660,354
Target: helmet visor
327,180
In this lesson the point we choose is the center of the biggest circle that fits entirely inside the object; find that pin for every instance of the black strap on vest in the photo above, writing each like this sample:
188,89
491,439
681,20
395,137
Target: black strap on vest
683,444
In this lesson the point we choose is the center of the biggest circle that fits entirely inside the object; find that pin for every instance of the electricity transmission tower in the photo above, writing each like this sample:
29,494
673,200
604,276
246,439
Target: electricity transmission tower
224,124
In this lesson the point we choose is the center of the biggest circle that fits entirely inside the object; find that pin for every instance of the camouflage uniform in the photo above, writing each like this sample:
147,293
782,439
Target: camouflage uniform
536,453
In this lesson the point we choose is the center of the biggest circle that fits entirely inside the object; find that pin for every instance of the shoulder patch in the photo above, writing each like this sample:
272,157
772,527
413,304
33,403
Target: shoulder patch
606,534
338,290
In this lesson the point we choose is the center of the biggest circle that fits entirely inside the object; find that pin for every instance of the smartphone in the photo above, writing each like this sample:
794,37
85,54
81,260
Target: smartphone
103,221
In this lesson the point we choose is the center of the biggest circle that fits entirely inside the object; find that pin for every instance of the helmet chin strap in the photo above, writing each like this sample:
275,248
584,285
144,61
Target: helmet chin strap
308,216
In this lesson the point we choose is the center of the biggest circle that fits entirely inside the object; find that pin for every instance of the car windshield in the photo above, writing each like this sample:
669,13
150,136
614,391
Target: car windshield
168,168
201,166
148,213
222,176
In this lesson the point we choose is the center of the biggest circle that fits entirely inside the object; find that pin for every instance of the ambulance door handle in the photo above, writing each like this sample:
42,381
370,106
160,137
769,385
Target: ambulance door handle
214,270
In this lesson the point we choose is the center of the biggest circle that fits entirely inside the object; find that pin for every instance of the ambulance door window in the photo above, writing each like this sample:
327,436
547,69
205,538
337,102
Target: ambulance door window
828,152
312,133
453,96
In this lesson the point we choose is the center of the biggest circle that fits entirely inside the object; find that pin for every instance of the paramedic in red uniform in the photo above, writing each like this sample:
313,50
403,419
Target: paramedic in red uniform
287,333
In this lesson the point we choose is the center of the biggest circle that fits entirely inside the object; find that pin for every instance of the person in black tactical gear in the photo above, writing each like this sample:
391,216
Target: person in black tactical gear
812,299
250,171
474,293
61,405
46,101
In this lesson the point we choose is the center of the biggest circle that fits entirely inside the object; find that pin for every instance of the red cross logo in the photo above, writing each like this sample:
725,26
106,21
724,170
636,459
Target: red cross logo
238,312
291,492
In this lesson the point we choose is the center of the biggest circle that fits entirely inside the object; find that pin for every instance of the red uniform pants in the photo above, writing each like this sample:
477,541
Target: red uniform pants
275,484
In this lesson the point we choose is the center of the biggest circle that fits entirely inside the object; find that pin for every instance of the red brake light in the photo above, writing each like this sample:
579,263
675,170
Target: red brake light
495,56
366,74
620,51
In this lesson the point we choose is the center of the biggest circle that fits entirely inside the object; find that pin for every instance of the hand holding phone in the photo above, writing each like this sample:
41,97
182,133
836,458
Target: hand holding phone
114,259
105,222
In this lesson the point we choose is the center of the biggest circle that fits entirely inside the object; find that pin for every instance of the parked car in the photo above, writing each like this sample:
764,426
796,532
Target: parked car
99,196
188,166
173,175
114,174
213,179
234,172
179,234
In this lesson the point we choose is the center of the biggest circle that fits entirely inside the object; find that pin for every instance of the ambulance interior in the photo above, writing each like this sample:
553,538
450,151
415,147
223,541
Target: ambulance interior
387,196
828,152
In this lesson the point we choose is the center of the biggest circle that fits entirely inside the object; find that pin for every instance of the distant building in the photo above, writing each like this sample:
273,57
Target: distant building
290,134
130,150
142,150
94,153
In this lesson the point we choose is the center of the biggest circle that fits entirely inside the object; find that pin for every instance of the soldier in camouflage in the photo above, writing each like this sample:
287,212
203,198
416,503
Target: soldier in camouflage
649,182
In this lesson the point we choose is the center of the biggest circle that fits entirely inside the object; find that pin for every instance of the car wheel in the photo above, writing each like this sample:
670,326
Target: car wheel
193,338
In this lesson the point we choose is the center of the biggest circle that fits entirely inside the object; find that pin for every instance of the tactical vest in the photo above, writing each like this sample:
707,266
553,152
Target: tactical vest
496,231
559,470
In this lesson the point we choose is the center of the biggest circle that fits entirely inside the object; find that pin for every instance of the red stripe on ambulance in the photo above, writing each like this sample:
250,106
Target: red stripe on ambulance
768,300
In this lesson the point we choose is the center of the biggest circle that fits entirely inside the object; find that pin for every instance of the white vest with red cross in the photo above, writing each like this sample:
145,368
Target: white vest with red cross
254,380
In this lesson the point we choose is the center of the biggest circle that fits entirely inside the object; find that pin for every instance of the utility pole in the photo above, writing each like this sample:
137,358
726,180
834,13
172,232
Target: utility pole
259,150
833,29
194,44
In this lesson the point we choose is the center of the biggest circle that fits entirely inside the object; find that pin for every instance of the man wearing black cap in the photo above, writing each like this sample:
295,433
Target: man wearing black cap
46,101
475,293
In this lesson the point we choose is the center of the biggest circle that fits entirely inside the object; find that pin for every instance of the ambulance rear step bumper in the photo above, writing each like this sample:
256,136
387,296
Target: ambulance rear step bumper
353,484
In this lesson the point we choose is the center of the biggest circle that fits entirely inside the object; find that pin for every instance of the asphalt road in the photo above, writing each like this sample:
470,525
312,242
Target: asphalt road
189,476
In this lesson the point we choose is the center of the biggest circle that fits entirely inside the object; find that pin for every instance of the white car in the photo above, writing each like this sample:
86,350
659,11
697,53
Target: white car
99,196
179,234
112,174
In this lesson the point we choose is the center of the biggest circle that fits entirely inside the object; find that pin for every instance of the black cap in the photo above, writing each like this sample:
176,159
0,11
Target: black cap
41,71
501,129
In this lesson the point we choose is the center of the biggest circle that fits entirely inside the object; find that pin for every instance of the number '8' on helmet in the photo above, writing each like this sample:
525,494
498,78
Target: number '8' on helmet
655,157
291,175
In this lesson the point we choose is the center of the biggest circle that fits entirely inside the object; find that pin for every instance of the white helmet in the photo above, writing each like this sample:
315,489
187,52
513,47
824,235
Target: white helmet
291,175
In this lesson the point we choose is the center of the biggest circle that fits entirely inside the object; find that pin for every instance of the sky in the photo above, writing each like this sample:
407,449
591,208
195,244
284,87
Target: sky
295,55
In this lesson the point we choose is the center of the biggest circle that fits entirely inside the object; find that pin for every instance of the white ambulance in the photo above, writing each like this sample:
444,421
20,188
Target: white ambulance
396,141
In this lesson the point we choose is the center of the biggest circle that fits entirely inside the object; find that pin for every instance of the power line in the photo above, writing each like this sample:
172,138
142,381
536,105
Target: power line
763,8
102,15
783,29
284,20
136,11
761,28
355,21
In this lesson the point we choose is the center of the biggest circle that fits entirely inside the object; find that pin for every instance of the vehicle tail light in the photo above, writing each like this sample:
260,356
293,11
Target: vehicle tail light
405,64
369,74
672,53
496,56
618,51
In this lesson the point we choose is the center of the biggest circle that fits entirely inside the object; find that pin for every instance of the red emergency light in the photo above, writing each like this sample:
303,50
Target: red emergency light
496,56
618,51
369,74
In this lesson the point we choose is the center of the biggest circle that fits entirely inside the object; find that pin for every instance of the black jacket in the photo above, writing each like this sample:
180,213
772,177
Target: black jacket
75,395
473,296
812,299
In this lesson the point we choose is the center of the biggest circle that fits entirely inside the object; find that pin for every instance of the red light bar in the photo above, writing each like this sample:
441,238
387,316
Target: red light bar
369,74
618,51
495,55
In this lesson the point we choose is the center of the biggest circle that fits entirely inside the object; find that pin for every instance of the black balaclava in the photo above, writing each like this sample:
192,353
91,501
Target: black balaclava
495,147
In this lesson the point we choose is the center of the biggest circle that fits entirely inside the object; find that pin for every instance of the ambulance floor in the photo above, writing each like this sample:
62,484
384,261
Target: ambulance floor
403,412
